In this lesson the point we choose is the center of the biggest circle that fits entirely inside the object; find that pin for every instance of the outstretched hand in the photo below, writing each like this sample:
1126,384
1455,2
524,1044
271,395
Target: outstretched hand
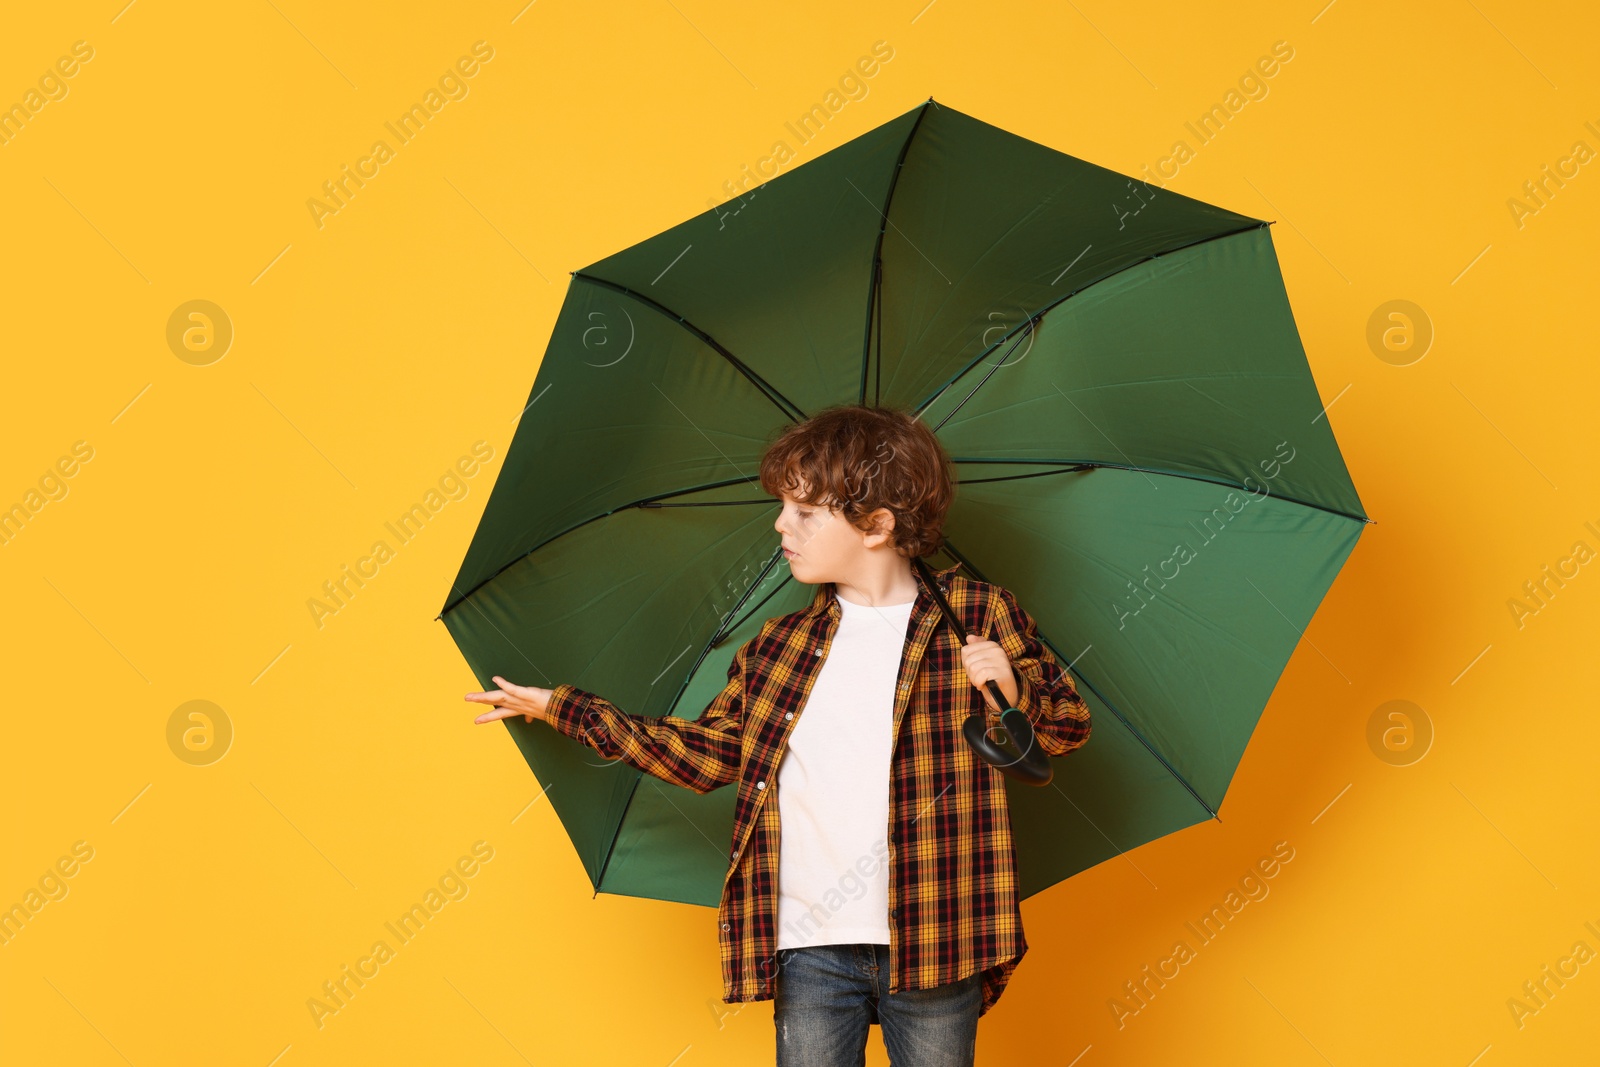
526,700
985,660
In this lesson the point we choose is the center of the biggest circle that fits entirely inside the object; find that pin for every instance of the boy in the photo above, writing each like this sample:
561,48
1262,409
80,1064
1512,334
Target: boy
893,896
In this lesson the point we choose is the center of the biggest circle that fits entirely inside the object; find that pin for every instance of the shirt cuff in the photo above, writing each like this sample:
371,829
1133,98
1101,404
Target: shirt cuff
566,708
1025,702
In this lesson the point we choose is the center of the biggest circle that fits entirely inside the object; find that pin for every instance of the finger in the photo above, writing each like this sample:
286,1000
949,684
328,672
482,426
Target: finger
979,674
520,690
492,696
982,666
496,713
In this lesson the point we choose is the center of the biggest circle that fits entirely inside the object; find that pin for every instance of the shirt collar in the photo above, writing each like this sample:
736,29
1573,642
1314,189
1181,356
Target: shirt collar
825,602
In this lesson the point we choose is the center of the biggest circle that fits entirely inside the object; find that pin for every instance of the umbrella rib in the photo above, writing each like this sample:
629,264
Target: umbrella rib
723,630
1037,315
875,283
643,502
783,403
1032,322
633,791
1070,465
1096,691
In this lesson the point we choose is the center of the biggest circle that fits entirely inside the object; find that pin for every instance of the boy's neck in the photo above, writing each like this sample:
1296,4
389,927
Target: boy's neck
878,581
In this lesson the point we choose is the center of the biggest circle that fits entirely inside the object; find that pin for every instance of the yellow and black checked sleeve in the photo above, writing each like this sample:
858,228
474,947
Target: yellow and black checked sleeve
699,754
1045,691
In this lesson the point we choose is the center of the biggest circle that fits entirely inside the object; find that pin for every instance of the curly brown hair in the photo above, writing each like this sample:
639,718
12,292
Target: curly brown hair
858,459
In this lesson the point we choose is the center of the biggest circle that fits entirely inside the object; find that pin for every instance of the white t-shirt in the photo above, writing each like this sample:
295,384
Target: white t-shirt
833,787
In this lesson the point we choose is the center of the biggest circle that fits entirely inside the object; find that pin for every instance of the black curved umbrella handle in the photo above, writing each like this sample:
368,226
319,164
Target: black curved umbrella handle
1031,765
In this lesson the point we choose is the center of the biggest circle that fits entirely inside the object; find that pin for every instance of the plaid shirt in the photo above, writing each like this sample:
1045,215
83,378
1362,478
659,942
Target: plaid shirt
953,907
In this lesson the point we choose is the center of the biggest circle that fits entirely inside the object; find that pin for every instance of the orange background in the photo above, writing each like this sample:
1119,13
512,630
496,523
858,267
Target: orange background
371,352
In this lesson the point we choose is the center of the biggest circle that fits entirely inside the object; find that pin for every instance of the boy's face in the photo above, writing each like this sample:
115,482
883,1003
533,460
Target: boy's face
826,548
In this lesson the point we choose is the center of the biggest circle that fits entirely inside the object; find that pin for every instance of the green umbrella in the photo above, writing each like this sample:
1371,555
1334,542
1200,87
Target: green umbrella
1141,453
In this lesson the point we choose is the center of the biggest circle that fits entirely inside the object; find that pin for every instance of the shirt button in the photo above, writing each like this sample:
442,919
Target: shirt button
735,853
790,715
761,785
817,651
724,926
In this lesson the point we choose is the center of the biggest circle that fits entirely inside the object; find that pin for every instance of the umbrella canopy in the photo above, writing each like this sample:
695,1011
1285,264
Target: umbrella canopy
1141,455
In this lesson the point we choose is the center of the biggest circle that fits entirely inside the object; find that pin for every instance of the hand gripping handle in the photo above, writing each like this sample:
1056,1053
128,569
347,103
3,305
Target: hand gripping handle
1031,764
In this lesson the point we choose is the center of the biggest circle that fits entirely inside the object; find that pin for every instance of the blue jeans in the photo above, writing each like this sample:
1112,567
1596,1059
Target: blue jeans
827,996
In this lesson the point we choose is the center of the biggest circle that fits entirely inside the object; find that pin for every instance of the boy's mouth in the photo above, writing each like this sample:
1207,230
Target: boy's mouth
789,554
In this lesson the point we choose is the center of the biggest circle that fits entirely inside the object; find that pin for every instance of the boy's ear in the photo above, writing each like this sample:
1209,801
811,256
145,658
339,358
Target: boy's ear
882,522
